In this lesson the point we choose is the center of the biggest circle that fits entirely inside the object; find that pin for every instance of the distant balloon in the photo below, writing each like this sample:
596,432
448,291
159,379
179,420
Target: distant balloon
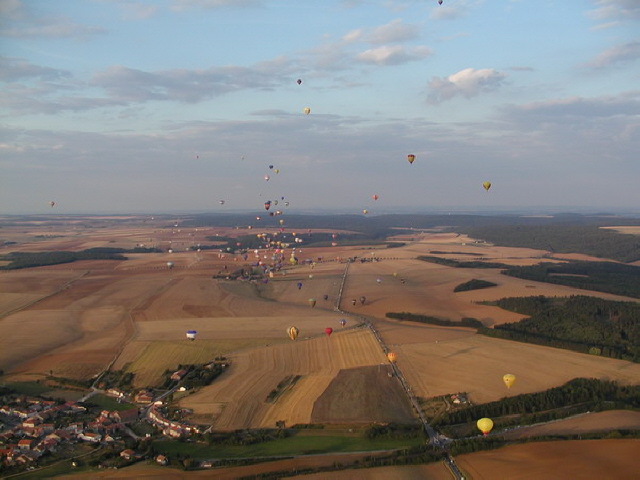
170,265
52,203
375,197
299,81
411,158
326,297
485,425
293,332
328,331
312,302
266,177
270,167
299,285
440,2
306,110
221,202
267,205
365,211
191,334
509,379
343,322
391,356
362,300
486,185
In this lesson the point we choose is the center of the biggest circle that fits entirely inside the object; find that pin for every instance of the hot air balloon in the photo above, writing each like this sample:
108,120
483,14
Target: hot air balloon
509,379
270,167
170,265
391,356
293,332
52,203
486,185
328,331
306,110
485,425
440,2
299,285
312,302
267,206
365,211
326,297
266,177
191,334
411,158
343,322
362,300
299,81
221,202
375,197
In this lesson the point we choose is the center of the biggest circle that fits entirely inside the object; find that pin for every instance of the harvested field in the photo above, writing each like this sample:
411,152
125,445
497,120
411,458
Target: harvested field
588,422
586,459
238,398
358,395
475,364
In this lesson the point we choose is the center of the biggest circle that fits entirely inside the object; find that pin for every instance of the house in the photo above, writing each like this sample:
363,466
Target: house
179,375
125,416
90,437
128,454
26,444
143,396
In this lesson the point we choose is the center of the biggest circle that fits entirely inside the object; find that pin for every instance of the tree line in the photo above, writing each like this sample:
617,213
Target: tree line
20,260
580,323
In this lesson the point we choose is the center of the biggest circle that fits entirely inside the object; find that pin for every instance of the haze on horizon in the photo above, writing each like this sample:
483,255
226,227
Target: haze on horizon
175,105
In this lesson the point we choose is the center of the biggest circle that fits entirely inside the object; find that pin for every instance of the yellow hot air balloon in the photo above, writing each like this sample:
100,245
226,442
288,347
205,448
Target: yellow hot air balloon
508,379
365,211
411,158
486,185
293,332
312,302
391,356
485,425
306,110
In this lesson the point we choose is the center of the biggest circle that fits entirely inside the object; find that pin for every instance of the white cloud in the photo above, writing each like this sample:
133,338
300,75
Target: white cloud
624,53
393,55
467,83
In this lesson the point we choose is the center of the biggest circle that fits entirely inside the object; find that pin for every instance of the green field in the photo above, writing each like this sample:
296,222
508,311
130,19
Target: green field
295,445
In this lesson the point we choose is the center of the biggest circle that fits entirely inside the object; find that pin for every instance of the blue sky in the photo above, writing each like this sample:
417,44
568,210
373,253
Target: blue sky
116,106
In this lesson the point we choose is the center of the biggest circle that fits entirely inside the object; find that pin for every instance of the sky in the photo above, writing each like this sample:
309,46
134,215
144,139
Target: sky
175,106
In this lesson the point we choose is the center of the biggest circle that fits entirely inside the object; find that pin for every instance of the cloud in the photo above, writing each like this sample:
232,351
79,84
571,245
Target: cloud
467,83
19,22
212,4
613,12
12,69
625,104
393,55
624,53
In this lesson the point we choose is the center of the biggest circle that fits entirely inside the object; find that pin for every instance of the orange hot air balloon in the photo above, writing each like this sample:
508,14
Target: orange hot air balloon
485,425
328,331
375,197
392,357
293,332
411,158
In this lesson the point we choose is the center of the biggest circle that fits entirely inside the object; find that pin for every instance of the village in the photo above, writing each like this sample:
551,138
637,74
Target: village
35,431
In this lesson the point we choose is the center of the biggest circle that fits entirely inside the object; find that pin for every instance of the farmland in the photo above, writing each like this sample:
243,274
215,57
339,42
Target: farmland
74,320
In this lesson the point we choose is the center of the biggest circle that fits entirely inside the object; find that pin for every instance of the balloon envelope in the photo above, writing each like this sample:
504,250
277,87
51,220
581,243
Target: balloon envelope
508,379
411,158
486,185
312,302
191,334
391,356
293,332
485,425
328,331
306,110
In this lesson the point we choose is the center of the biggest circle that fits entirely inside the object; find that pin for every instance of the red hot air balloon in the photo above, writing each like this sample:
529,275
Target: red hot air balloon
328,331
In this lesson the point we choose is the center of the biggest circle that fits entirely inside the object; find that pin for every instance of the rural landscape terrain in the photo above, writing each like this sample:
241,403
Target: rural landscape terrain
162,346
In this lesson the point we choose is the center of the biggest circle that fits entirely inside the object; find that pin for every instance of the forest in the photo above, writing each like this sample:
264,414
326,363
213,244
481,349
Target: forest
590,240
609,277
580,323
473,284
576,396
